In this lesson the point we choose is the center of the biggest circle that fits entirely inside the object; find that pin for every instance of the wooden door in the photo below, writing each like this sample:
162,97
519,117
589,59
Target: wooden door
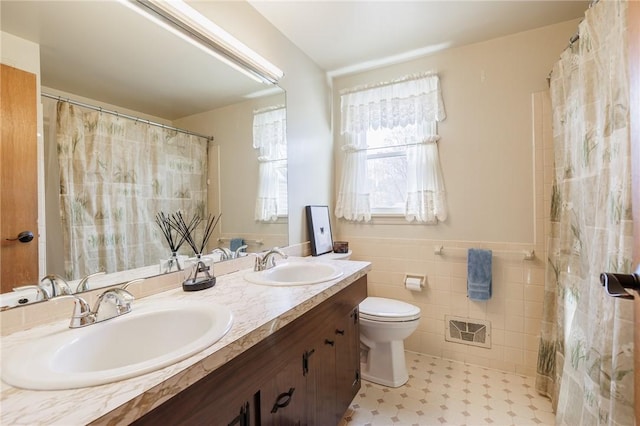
634,114
18,178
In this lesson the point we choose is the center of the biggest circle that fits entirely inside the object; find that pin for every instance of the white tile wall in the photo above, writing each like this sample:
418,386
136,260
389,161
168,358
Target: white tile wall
514,317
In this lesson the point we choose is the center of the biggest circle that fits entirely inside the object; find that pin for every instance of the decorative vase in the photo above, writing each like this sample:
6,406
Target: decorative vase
200,275
175,263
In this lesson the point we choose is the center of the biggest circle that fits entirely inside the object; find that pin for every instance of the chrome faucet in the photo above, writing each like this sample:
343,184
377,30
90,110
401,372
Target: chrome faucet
236,254
225,253
83,285
112,303
268,260
58,285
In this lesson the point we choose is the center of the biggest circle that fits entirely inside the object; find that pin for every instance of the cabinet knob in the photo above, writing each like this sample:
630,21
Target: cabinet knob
340,332
329,342
282,400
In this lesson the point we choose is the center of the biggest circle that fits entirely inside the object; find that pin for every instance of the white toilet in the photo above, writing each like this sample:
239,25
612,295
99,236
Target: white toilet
384,324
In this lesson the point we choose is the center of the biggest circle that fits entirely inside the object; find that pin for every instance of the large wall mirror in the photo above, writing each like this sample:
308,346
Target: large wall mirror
106,55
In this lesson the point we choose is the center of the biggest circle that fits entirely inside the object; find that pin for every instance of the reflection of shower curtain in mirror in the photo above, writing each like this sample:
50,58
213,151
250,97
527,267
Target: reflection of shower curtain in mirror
116,174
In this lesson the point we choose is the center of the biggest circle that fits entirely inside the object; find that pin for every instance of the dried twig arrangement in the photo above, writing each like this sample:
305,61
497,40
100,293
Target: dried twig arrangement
187,230
173,238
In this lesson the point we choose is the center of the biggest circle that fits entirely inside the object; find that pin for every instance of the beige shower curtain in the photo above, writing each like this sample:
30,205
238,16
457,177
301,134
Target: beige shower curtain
585,361
116,174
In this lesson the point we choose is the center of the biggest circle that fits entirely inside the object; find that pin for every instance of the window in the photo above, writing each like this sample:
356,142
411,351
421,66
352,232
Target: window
391,163
386,172
269,138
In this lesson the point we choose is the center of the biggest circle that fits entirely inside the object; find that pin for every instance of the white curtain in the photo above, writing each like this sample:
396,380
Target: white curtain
116,174
353,198
585,357
413,102
270,139
426,201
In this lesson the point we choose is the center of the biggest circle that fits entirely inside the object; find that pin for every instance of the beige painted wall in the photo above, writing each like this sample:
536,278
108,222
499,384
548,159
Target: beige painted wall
486,147
496,151
310,145
515,308
20,53
238,170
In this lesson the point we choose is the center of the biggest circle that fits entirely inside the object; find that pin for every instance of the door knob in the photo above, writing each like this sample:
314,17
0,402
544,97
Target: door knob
23,237
615,284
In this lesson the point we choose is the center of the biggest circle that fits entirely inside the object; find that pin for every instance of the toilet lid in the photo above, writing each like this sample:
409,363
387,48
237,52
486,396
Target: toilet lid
381,309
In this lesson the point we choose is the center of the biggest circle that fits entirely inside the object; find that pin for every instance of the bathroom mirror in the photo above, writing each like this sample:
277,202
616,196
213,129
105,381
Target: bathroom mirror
103,53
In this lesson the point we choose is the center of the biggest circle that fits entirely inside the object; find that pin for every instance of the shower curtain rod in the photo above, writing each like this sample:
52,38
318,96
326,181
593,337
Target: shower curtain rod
572,40
130,117
576,36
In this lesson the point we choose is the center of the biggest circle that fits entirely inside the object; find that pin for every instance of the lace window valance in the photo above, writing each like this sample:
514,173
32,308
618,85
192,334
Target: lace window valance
413,100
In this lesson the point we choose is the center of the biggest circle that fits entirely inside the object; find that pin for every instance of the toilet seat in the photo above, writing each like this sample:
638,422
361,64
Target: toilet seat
388,310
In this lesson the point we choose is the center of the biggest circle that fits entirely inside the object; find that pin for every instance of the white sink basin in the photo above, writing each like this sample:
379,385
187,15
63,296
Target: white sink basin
295,273
18,297
150,337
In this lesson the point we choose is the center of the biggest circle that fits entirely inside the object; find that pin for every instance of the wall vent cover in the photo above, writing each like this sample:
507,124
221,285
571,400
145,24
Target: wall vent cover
468,331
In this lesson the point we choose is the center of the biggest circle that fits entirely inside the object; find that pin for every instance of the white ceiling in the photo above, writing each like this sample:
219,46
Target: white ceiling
102,50
353,35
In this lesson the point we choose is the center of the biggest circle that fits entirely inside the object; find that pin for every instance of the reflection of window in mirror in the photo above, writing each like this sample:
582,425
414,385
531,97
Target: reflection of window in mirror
269,138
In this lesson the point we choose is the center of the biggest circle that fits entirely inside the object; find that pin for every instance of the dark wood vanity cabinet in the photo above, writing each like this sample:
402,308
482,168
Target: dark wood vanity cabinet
306,373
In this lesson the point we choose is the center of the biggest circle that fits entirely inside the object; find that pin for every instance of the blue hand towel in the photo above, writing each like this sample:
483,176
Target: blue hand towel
479,274
235,243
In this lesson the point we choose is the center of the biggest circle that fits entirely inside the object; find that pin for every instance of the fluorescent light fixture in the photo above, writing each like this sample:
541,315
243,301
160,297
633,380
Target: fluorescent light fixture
190,25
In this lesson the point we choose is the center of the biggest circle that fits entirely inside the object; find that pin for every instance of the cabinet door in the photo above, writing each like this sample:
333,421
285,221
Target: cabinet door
324,365
347,361
283,398
211,405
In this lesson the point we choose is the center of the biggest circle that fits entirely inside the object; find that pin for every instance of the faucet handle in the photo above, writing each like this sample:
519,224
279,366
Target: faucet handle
83,285
82,314
128,283
112,303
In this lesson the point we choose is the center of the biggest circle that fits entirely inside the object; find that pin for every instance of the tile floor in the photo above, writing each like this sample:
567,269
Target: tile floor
443,392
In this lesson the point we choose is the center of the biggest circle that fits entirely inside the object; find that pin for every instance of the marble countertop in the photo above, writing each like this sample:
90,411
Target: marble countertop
258,312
